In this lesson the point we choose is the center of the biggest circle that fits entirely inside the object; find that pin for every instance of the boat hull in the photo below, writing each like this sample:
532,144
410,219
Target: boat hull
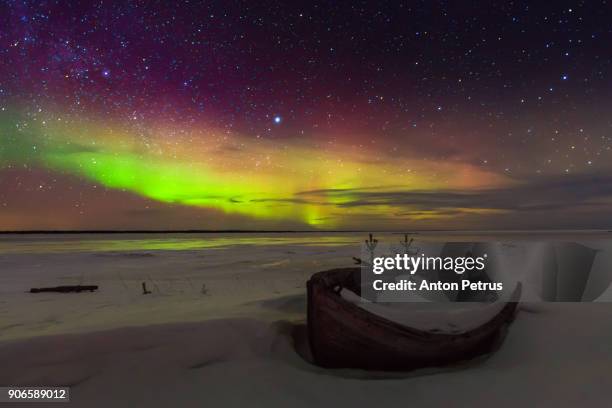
343,335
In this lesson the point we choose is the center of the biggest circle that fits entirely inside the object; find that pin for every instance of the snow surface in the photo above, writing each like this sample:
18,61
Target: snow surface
447,317
235,345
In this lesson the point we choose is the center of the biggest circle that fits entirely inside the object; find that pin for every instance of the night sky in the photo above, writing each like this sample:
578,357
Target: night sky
331,115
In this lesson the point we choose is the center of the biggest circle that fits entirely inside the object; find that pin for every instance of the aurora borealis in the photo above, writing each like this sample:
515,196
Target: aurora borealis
145,115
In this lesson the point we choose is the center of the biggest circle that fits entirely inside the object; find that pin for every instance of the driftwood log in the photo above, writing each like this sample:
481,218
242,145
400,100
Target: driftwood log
66,289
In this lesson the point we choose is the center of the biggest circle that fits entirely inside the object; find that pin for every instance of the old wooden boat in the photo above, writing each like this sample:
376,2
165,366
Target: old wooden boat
344,335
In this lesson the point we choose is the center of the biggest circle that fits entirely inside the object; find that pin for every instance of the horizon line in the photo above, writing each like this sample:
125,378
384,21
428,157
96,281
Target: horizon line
240,231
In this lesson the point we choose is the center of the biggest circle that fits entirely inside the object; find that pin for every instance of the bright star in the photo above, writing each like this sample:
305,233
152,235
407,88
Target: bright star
278,119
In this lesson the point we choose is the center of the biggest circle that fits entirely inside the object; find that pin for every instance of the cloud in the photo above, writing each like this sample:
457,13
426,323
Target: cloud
540,194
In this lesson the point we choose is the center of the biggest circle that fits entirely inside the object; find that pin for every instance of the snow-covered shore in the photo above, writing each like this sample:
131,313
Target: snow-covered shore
235,344
186,284
557,356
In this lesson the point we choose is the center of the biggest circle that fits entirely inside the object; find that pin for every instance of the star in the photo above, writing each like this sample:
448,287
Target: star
278,120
